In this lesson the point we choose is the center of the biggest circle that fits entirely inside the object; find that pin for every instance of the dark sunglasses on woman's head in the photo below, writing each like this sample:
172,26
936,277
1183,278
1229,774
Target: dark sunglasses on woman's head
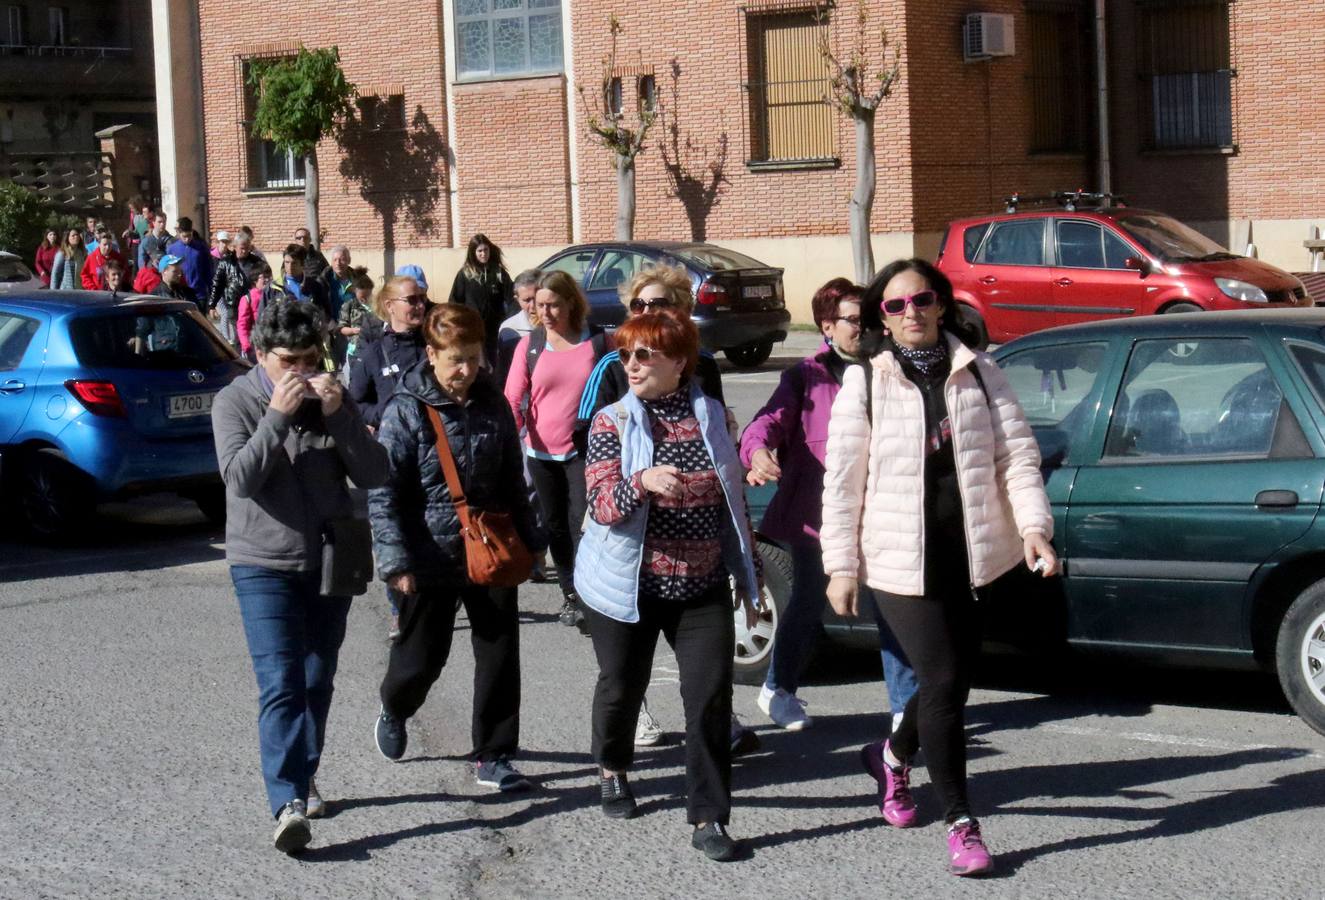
639,304
643,355
920,300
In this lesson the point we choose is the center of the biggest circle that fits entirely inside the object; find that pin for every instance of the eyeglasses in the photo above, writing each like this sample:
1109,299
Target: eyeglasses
920,300
853,321
290,360
643,355
413,299
639,304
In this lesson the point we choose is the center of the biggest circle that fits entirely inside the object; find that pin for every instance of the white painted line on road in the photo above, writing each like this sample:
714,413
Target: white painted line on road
1172,740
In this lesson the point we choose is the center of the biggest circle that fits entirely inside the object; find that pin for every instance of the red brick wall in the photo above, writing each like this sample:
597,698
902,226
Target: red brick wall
382,42
513,161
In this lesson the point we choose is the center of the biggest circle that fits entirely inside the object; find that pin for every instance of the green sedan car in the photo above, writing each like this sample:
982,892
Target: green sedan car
1184,457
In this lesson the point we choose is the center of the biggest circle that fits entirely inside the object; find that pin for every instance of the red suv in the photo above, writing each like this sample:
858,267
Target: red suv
1030,269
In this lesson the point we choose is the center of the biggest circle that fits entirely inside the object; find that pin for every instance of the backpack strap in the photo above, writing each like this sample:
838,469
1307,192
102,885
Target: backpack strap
869,387
537,344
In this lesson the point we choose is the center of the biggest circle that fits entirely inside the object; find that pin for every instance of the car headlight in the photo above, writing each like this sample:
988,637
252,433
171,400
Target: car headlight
1241,290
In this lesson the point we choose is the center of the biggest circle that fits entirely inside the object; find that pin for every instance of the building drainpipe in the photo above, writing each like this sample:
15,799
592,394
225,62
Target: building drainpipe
572,112
448,54
1102,79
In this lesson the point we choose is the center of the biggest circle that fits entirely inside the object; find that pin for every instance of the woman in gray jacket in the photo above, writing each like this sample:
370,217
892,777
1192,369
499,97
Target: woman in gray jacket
286,440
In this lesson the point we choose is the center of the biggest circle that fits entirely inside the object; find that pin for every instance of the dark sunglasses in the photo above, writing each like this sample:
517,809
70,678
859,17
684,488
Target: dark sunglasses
920,300
643,355
639,305
413,299
853,321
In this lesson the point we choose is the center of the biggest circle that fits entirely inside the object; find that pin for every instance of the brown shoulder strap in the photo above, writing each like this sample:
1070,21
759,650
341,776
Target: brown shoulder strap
448,466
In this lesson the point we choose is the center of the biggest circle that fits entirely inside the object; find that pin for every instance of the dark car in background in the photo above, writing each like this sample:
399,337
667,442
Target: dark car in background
1184,458
1027,269
104,396
739,303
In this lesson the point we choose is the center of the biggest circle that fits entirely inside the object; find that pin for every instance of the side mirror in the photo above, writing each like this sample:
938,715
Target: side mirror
1138,264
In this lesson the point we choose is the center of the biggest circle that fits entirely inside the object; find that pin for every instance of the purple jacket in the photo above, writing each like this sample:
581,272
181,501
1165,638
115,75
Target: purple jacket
794,425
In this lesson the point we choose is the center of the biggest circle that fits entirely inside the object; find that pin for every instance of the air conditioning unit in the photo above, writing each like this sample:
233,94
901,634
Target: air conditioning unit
986,35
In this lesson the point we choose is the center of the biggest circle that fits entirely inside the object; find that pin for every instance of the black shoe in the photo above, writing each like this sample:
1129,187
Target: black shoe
618,801
714,840
571,615
391,736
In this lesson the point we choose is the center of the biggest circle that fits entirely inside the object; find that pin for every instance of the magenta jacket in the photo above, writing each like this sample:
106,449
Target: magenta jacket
794,425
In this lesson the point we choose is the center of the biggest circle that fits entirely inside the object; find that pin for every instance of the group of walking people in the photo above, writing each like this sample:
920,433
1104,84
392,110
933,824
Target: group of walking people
907,481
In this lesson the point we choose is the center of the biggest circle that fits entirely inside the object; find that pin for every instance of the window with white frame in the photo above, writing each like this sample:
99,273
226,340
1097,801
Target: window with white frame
499,38
269,166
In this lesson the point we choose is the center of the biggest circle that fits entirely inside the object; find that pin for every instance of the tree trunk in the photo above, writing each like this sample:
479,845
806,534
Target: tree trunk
625,198
862,198
311,198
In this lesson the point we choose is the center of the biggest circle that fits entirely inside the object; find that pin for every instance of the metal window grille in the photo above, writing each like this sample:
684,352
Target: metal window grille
1057,76
789,116
1186,72
496,38
268,166
18,25
58,19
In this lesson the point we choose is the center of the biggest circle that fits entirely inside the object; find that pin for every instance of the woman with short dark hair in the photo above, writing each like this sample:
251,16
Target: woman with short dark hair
286,441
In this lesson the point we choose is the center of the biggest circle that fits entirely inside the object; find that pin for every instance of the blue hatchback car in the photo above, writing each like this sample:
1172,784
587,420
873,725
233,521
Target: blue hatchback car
105,396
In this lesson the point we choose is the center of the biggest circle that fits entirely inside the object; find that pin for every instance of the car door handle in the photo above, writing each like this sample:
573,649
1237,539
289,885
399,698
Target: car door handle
988,279
1063,282
12,386
1276,499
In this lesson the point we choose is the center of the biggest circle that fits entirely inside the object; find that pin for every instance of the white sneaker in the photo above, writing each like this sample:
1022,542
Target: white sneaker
292,831
316,807
648,733
786,710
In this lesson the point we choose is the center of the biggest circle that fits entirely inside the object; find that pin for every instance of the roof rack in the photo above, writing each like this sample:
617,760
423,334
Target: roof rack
1068,200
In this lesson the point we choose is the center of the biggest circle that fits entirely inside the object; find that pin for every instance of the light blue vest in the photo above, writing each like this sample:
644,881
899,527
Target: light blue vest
607,566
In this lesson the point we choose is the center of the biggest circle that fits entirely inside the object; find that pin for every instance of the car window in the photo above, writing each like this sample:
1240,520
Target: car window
1311,361
147,339
1053,385
574,264
971,240
1171,240
1116,251
716,259
1213,397
1018,243
15,334
12,271
617,267
1080,245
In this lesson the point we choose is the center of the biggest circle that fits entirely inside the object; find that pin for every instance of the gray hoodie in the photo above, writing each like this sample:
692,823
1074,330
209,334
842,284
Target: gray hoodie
285,475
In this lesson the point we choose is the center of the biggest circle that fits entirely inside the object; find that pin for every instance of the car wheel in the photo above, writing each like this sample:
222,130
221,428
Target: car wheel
750,356
975,323
211,503
754,646
53,495
1300,655
1182,308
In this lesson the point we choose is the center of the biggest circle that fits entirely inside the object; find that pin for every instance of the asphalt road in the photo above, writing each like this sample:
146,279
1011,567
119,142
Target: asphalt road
129,765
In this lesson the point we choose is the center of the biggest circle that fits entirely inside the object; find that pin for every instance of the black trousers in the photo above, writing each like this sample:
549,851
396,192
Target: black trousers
427,621
701,635
940,634
561,494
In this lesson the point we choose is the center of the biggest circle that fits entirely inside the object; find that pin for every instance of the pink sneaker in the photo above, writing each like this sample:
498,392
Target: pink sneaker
967,854
895,802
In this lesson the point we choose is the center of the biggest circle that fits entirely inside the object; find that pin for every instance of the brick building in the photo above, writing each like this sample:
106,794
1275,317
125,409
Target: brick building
470,119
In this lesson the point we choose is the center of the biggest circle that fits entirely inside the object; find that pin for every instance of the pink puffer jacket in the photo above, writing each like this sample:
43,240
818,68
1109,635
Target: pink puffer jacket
873,515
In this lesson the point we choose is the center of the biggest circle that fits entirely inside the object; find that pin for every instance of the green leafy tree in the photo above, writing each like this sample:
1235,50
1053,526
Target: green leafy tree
22,218
300,100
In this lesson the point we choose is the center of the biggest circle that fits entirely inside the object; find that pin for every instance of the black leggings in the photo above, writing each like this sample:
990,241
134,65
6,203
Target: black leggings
561,494
940,634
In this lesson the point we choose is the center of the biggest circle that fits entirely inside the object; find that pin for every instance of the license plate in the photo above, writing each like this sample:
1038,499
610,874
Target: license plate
757,291
183,406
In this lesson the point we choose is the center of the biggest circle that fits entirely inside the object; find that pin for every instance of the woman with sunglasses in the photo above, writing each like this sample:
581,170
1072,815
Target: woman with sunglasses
932,490
668,527
379,364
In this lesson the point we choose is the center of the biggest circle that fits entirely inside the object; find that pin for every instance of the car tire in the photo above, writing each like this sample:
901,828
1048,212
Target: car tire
753,652
750,356
211,503
1300,655
53,495
975,324
1182,308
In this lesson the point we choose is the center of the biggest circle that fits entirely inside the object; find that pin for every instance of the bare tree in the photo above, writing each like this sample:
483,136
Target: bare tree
694,176
858,95
607,127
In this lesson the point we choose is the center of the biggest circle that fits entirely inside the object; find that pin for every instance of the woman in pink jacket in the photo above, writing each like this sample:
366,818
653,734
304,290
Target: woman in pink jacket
932,489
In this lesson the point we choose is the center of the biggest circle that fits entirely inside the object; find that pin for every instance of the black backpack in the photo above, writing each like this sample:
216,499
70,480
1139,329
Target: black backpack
538,343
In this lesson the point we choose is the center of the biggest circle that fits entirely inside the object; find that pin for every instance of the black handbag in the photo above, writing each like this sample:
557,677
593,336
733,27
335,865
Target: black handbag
347,557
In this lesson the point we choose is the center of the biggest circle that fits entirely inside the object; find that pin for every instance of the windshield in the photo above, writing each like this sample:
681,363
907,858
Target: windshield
147,339
716,258
1172,241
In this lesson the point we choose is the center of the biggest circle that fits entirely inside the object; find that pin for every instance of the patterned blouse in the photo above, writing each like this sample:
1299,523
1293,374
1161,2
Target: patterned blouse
682,549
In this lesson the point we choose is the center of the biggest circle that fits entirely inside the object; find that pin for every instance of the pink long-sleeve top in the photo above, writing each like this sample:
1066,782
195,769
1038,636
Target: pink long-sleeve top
545,408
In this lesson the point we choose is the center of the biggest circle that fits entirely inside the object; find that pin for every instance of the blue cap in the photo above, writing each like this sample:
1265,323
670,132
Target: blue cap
415,272
169,260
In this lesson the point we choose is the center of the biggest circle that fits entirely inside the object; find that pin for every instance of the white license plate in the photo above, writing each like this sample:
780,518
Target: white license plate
759,291
183,406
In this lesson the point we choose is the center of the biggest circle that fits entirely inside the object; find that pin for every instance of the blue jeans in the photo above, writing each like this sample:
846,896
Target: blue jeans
798,628
294,637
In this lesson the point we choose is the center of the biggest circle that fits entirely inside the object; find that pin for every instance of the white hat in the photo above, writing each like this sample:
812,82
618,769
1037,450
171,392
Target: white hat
223,235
